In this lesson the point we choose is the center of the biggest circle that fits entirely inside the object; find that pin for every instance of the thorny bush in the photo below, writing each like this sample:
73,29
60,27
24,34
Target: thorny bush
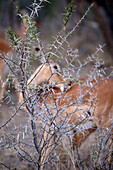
32,122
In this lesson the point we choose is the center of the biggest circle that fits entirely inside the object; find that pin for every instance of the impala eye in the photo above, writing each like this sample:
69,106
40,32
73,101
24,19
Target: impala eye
69,84
89,113
55,67
37,49
74,131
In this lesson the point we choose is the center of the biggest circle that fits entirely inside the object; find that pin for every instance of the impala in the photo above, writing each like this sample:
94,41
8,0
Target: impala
69,109
94,97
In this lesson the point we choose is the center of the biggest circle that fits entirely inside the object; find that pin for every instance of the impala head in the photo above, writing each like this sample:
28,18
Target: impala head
48,73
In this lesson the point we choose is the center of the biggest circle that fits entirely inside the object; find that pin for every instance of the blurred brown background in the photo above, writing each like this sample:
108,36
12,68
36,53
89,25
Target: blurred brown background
97,28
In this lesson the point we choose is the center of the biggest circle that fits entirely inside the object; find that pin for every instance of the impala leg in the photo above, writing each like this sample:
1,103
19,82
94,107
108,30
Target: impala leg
19,93
80,135
2,90
47,148
18,90
110,160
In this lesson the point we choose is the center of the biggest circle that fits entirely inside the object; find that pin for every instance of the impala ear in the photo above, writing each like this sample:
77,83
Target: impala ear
39,49
74,131
55,67
24,25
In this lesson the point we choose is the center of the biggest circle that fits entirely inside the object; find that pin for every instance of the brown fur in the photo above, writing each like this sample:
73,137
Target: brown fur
97,99
46,73
4,46
80,113
101,100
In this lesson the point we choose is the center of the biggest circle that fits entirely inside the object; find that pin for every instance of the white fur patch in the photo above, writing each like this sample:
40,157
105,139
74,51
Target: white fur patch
86,125
62,89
